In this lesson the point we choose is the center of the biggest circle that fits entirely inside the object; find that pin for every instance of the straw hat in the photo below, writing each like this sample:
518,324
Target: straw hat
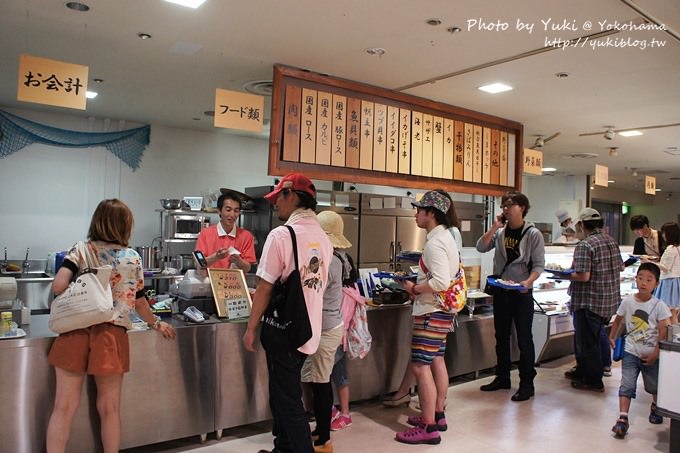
333,225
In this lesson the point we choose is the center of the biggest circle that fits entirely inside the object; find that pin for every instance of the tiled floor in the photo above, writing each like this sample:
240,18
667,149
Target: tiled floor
558,419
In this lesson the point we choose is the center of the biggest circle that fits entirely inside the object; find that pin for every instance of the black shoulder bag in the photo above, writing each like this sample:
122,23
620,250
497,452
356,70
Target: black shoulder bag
285,323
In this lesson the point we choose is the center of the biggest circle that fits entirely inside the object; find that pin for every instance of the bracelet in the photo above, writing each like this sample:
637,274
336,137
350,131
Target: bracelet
156,323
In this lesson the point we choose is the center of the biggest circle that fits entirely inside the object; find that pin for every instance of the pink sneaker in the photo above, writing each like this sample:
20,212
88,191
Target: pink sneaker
334,413
341,422
417,420
419,435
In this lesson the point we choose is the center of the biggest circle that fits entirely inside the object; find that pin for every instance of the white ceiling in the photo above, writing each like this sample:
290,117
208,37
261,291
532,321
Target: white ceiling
240,41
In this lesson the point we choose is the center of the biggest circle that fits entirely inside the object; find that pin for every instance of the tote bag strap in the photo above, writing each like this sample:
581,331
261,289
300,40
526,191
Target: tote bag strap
295,251
87,252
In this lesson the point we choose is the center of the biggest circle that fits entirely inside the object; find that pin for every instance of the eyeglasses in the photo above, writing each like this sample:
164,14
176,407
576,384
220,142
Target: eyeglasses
508,205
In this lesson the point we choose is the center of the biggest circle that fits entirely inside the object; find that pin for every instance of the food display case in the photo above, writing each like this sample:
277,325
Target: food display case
553,329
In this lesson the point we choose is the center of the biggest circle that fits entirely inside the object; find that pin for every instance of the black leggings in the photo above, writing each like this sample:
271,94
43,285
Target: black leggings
323,402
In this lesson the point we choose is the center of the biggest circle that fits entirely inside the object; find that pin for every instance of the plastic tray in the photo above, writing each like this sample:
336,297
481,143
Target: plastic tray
20,333
394,276
560,271
493,282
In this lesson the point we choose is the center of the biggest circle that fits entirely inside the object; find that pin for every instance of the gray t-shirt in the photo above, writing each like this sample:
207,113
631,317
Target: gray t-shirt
332,296
642,323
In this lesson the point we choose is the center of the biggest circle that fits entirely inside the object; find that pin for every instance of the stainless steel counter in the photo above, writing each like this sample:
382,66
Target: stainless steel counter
204,381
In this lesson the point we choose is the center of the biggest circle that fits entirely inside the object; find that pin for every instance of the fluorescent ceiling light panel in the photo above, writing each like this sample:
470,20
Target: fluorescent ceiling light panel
630,133
188,3
549,169
91,94
495,88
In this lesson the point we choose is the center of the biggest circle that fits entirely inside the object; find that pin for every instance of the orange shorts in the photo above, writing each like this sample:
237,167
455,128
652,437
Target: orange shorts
99,349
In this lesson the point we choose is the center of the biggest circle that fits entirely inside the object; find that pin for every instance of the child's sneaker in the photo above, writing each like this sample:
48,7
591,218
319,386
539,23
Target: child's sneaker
334,413
341,422
654,417
420,435
621,427
439,417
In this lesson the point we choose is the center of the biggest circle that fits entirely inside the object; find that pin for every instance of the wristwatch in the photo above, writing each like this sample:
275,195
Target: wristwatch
156,323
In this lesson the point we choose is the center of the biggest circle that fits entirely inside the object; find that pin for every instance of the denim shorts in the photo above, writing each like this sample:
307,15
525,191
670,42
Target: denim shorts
631,367
339,375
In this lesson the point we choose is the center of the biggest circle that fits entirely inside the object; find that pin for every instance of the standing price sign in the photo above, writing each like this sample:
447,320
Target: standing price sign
229,288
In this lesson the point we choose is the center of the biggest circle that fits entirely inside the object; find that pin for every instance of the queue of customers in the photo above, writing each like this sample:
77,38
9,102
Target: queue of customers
325,271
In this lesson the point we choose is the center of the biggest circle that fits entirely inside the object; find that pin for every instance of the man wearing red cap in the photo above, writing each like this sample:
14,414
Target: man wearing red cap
295,200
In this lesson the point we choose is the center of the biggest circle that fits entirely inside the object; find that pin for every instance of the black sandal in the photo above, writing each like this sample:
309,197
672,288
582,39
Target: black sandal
621,427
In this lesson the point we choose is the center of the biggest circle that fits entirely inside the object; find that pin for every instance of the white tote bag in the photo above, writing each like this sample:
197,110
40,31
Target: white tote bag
87,300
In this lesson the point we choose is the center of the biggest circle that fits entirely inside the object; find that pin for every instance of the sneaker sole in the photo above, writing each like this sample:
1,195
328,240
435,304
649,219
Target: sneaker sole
433,441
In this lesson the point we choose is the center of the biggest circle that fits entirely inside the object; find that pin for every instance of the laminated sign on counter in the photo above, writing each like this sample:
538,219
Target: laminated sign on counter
229,288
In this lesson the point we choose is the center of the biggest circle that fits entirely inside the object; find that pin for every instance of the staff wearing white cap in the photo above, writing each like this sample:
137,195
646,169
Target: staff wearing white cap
568,233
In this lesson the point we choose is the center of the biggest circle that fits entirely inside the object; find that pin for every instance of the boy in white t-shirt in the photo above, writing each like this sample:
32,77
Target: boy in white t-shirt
647,319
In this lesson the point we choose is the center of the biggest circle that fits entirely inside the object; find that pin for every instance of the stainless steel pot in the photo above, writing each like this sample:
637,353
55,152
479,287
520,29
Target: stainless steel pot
149,257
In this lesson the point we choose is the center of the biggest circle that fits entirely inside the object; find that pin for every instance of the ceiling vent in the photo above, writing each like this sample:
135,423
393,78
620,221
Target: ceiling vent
581,156
261,87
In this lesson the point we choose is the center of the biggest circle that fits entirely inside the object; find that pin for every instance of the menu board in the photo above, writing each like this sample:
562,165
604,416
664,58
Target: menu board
342,130
230,291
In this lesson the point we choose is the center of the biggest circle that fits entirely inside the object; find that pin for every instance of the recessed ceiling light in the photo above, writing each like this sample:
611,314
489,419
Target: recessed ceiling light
453,30
630,133
143,36
658,190
672,150
495,88
209,113
91,94
98,80
433,21
77,6
611,181
188,3
549,169
561,75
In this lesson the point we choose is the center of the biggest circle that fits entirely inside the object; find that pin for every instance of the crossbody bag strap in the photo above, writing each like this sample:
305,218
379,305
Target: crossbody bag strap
295,251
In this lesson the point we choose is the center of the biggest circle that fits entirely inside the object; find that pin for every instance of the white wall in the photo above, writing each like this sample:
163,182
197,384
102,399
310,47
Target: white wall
49,193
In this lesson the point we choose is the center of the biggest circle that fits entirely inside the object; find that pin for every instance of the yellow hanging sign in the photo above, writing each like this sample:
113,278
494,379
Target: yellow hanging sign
236,110
601,175
533,162
52,82
650,185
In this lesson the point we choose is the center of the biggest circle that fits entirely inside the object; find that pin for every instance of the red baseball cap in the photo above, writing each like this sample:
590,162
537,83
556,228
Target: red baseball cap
294,181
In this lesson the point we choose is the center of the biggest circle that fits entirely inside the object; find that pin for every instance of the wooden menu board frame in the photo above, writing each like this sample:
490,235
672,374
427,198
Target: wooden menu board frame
228,283
285,136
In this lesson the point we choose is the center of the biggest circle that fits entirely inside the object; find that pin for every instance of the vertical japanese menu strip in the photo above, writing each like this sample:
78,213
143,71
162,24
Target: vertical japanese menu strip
404,141
503,136
308,129
467,154
477,153
291,120
486,155
338,143
379,130
495,156
458,150
447,159
324,128
427,145
437,146
392,136
513,156
366,142
416,143
353,132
